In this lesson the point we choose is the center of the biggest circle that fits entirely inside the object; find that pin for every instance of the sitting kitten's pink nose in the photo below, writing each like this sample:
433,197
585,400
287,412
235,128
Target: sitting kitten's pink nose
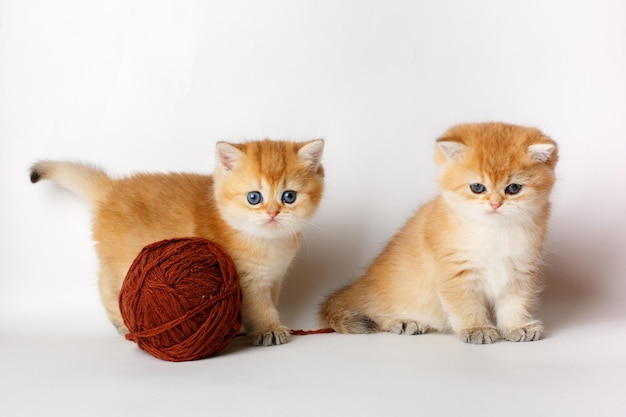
496,204
273,214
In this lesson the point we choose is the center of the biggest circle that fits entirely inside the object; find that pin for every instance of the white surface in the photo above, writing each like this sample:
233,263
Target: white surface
152,85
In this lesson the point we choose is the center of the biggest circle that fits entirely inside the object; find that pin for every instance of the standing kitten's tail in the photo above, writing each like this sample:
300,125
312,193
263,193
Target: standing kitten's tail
85,180
339,313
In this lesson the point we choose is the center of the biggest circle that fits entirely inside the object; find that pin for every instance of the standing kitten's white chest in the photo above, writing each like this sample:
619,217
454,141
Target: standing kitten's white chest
266,261
495,253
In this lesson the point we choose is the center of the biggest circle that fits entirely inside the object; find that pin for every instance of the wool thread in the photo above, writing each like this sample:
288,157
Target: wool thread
308,332
300,332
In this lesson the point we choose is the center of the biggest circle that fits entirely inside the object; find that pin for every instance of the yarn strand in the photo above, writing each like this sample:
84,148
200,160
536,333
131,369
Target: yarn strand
308,332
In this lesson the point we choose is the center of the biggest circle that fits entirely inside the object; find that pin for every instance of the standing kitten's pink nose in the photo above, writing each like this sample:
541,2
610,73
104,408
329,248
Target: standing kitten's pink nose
496,204
273,214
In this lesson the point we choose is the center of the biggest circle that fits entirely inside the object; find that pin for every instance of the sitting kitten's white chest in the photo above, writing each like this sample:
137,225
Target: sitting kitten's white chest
495,253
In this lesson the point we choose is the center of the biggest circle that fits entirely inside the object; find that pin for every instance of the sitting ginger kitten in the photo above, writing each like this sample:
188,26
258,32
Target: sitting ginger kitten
467,261
255,205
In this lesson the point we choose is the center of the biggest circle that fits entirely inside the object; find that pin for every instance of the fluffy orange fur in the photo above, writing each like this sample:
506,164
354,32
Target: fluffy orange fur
261,232
467,261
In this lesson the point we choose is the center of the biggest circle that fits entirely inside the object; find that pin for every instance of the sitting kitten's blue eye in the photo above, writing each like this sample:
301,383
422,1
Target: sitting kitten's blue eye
254,197
513,189
289,197
477,188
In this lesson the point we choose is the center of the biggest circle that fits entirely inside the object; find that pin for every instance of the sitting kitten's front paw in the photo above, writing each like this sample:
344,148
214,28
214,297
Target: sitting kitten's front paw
271,337
407,327
479,335
528,333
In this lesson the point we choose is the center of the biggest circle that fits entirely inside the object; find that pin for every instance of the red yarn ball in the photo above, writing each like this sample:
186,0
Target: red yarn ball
181,299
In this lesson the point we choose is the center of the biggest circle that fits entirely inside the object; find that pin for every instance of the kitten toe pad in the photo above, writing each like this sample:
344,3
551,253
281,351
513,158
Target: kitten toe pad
479,335
271,337
527,333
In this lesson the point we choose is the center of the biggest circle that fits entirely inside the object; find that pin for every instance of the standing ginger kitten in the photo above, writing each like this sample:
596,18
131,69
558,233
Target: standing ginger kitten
255,206
468,260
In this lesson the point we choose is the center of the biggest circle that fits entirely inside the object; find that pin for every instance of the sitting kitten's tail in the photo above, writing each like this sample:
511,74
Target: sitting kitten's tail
340,312
85,180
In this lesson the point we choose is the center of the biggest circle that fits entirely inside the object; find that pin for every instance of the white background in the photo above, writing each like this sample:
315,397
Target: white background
152,85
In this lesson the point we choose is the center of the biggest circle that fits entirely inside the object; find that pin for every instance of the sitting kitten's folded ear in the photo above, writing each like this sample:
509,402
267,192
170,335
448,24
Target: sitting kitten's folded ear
544,152
449,150
312,152
227,156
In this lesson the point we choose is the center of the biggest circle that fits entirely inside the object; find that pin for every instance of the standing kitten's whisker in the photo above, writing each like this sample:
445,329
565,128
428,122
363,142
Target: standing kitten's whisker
307,244
316,226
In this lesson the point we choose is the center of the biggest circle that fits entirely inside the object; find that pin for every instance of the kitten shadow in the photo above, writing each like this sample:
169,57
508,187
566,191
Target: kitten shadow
239,343
580,277
324,264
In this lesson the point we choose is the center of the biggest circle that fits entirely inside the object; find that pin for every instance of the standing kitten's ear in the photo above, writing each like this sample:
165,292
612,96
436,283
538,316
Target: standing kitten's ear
227,156
452,150
312,152
541,152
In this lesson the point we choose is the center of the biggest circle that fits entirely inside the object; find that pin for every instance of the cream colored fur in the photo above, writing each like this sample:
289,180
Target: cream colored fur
262,239
466,262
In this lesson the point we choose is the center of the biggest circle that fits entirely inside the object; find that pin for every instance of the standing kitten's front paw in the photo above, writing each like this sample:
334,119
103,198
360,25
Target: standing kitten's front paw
271,337
120,327
479,335
528,333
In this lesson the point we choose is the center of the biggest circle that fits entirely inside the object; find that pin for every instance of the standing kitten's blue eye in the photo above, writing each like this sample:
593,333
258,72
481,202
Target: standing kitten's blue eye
254,197
289,197
513,189
477,188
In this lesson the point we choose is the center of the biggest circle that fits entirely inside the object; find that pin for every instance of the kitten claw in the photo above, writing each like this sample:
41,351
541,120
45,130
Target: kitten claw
528,333
479,335
271,337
